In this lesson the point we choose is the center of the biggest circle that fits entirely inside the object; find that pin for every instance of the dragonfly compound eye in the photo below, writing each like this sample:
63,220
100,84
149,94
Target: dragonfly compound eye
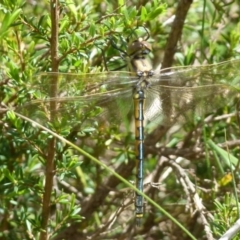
139,47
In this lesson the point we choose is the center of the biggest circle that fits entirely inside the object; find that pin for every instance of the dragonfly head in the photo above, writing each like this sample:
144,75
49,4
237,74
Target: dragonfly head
137,52
139,48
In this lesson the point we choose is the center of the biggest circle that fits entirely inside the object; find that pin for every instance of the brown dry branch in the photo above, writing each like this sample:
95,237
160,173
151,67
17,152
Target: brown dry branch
176,32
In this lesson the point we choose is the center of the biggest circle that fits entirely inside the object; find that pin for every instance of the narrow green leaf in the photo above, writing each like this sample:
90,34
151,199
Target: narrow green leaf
8,175
5,25
70,4
76,211
11,115
143,14
9,19
228,158
28,226
120,2
14,15
158,11
92,30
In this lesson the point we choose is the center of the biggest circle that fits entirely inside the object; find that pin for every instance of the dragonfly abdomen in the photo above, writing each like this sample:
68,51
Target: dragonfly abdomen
139,101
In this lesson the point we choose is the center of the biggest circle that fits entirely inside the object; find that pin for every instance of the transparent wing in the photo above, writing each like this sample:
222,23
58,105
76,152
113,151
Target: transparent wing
82,98
186,91
191,76
107,97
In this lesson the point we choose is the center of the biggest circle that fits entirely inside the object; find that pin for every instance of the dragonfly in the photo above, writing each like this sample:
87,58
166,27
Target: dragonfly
164,98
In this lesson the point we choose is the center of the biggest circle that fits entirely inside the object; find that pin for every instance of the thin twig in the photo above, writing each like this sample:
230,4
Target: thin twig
50,165
190,190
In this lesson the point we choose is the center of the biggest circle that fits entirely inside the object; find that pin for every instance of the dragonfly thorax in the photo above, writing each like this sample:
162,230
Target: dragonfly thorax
139,63
145,74
144,81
